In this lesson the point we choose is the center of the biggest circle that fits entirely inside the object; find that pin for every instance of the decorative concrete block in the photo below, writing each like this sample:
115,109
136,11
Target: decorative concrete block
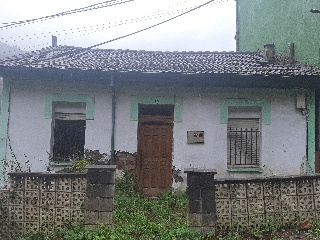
77,215
31,214
62,215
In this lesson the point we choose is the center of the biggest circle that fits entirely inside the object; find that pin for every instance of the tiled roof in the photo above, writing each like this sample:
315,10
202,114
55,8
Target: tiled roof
66,57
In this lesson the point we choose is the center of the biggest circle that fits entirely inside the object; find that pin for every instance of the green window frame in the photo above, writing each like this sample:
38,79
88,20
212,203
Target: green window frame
265,106
177,102
74,98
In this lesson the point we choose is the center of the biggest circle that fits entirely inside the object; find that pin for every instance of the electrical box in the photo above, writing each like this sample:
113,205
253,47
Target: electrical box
301,101
195,137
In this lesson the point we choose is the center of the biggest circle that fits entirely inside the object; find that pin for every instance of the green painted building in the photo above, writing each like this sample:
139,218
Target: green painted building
280,22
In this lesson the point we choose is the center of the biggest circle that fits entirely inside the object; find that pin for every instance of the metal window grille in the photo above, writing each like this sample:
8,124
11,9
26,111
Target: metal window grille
244,142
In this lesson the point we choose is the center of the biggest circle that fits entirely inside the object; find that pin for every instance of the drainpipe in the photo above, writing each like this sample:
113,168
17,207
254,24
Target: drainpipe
4,125
311,122
113,116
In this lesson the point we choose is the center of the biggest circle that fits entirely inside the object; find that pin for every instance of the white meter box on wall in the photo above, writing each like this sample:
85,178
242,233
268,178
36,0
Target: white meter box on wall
195,137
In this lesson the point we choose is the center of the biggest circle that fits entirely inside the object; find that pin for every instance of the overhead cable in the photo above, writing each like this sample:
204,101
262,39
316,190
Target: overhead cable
84,30
72,54
152,26
78,10
144,29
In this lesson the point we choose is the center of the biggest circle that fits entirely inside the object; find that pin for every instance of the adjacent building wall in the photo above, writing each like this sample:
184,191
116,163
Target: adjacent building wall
280,22
284,134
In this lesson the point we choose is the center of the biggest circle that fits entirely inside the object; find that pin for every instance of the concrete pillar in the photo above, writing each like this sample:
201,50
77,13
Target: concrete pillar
201,199
99,201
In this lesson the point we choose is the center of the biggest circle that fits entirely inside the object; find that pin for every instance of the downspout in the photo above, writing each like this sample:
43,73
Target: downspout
311,118
4,126
113,116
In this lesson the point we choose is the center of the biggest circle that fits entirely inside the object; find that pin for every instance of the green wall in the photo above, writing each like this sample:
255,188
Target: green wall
280,22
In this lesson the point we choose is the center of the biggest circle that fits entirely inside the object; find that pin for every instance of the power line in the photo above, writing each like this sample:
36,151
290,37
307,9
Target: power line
78,10
148,16
152,26
98,27
72,54
109,25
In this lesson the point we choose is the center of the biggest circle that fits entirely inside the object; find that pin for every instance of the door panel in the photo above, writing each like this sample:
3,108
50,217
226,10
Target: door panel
155,157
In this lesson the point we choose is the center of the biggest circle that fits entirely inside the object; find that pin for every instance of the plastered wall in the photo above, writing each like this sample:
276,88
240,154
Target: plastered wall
283,139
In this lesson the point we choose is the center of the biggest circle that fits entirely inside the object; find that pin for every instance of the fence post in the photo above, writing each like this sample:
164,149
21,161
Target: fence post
201,199
99,199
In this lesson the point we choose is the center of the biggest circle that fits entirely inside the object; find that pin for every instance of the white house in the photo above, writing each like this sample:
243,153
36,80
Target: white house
238,113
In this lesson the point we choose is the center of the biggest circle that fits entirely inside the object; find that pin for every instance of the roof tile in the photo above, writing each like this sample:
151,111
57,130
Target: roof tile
244,63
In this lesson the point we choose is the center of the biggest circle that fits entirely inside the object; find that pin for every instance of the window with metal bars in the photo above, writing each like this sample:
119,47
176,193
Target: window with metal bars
244,142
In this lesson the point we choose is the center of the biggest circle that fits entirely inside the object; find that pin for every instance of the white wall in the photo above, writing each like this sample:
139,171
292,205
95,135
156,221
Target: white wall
283,141
30,131
29,138
125,130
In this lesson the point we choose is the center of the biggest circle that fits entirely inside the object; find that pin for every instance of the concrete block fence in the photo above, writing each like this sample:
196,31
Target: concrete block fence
290,200
45,201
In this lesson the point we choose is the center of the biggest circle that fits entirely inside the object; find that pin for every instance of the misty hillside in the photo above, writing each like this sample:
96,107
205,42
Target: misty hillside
8,51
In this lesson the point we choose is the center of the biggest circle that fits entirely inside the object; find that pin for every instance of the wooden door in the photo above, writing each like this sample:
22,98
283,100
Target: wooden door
155,137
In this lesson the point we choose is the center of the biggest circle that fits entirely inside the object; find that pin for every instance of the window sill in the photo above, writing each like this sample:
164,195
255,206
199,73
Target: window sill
244,169
62,164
